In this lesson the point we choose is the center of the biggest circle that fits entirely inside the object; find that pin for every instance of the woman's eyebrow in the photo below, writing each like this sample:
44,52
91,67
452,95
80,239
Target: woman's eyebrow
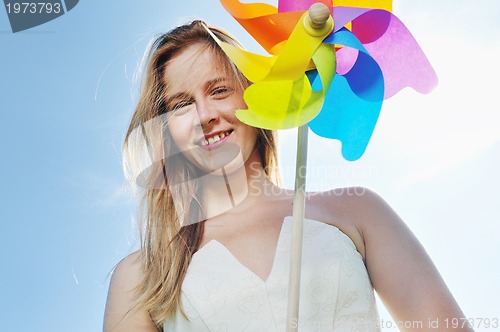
184,95
213,82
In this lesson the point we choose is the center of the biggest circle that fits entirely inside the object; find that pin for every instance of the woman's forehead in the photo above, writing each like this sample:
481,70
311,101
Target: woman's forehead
192,66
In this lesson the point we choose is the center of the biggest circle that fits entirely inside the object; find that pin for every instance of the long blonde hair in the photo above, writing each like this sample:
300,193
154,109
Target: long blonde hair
166,246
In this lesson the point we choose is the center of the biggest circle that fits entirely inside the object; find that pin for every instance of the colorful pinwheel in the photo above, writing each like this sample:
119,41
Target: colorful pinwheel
331,78
376,57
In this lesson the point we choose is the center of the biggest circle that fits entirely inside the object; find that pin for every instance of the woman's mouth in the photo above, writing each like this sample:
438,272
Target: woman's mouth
213,140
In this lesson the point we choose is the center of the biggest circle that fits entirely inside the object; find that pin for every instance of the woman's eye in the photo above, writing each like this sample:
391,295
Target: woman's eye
222,92
180,107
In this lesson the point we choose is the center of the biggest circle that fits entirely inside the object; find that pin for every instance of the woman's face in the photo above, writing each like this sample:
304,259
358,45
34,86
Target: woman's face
201,100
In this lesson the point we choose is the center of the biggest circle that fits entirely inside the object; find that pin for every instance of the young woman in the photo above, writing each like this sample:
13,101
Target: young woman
216,238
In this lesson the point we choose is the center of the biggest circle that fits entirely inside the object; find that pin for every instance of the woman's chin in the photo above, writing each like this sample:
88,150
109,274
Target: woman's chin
223,160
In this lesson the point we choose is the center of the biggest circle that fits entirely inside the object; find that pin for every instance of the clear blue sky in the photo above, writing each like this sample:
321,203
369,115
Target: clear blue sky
68,90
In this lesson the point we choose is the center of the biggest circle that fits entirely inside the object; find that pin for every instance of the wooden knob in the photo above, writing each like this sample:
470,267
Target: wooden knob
318,15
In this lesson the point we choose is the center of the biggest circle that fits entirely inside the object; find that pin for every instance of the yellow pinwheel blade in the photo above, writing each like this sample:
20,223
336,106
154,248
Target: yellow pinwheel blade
290,64
281,96
286,104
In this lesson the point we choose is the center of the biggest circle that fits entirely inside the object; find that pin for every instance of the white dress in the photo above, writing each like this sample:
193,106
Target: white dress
221,294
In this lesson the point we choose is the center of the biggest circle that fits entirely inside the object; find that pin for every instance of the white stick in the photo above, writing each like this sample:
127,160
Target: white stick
298,221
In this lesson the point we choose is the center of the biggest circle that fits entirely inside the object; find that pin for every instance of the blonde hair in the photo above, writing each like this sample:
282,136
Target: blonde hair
166,246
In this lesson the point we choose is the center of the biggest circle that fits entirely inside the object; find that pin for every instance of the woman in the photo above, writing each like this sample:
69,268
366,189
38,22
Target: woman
216,239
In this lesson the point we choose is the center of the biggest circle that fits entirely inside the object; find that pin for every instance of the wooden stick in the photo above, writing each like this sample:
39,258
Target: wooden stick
318,16
298,222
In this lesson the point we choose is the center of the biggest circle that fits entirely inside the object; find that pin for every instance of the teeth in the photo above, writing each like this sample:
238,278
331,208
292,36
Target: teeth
214,139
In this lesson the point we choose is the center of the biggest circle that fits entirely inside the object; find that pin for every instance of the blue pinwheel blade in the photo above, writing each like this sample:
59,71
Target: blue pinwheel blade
353,102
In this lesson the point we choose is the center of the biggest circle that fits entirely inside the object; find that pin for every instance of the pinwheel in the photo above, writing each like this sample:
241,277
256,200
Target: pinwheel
327,72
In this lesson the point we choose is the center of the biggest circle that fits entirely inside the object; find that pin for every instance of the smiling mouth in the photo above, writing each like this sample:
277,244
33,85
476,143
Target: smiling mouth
212,140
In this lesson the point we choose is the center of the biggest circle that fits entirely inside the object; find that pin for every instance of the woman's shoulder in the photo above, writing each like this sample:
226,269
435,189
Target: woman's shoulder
128,273
348,204
354,210
129,267
119,313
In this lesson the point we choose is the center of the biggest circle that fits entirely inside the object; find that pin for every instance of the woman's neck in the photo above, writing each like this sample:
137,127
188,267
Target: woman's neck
237,190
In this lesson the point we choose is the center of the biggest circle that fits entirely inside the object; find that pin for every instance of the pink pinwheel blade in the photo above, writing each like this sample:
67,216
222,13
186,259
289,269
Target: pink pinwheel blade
299,5
398,54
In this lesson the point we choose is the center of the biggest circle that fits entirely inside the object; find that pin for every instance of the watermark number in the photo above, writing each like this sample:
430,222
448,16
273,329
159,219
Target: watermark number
33,8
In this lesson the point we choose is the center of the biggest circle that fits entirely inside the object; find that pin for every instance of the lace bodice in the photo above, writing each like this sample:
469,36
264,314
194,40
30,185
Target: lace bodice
221,294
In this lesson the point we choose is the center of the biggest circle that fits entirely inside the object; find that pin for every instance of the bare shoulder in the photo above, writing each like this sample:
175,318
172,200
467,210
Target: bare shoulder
399,268
120,314
354,210
358,202
129,269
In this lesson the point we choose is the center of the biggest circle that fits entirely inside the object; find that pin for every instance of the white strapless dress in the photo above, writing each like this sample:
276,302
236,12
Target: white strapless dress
221,294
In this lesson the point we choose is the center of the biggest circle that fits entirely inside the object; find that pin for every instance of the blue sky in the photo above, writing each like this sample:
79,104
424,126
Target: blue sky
68,89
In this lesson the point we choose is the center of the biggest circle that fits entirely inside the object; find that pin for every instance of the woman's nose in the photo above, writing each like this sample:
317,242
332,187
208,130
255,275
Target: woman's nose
206,113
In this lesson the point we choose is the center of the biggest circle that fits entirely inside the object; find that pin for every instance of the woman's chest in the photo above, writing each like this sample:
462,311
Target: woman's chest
223,294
